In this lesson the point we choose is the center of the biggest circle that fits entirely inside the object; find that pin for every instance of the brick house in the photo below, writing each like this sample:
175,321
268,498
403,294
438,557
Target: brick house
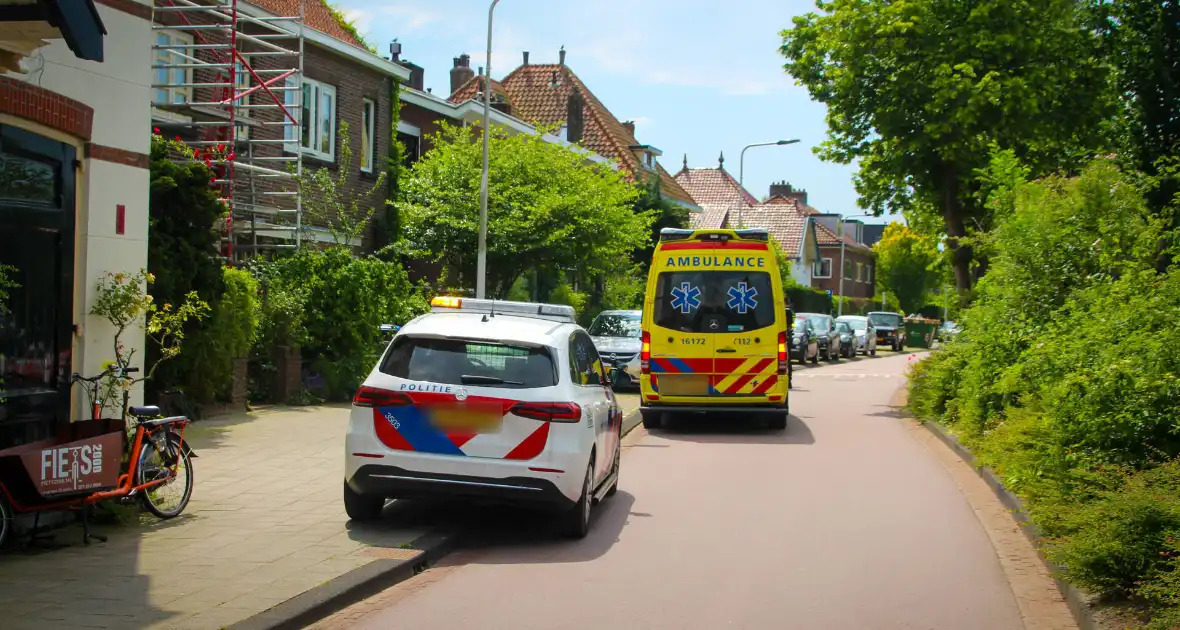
724,203
551,95
73,207
341,82
855,258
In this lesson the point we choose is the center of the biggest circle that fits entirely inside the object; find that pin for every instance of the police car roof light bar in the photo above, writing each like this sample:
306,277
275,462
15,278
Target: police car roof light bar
552,312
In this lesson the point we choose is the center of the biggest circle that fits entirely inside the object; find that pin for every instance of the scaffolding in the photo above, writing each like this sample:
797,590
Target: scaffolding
228,81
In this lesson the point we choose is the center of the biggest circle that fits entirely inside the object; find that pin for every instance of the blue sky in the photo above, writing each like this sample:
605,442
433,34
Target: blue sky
697,77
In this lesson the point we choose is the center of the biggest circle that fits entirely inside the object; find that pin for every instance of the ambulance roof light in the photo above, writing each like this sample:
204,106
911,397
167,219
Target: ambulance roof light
552,312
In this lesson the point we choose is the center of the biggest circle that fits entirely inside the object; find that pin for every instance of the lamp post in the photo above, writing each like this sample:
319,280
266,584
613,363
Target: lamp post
840,233
481,261
742,166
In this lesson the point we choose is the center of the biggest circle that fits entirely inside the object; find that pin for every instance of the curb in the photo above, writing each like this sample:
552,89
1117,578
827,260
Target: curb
356,585
360,584
1075,599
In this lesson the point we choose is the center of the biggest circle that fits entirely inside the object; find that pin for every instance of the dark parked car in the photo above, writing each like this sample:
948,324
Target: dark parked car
825,334
890,329
847,339
803,345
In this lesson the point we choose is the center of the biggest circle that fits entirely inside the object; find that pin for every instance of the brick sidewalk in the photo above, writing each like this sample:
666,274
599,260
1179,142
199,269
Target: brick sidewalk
265,524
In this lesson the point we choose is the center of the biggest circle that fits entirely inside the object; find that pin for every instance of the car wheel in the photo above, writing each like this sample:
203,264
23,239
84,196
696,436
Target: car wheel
6,520
614,467
778,421
873,352
652,418
362,507
576,522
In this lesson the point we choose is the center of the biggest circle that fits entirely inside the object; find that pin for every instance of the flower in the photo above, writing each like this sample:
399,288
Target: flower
155,130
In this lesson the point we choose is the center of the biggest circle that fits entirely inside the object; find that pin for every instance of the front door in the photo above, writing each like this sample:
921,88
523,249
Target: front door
37,283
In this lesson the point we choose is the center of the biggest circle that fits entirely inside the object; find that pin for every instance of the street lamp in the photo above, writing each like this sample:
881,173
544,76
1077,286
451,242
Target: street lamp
742,166
840,233
481,264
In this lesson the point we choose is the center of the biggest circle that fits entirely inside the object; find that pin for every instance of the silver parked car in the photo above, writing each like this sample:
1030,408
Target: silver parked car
616,336
866,334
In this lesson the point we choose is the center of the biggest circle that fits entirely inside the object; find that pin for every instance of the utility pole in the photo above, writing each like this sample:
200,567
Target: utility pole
742,167
481,260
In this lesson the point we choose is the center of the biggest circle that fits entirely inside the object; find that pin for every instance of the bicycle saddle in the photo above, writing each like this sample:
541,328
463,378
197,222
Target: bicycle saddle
146,411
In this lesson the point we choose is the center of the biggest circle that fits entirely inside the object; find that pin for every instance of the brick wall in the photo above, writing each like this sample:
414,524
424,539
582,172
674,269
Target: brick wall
425,120
353,81
852,288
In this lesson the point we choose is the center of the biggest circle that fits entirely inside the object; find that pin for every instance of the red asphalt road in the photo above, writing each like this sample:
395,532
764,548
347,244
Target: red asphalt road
842,522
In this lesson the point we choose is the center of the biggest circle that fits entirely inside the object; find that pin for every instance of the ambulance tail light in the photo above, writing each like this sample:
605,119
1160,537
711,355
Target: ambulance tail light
783,359
377,397
645,354
548,411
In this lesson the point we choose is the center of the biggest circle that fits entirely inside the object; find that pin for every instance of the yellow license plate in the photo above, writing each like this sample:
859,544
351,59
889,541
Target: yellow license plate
474,420
684,384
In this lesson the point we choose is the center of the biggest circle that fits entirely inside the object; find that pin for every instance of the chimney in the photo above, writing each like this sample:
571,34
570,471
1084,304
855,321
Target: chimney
630,127
784,189
561,55
526,57
461,72
417,75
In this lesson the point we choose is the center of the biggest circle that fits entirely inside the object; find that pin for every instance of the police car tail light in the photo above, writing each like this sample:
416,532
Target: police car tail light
548,411
377,397
782,353
645,354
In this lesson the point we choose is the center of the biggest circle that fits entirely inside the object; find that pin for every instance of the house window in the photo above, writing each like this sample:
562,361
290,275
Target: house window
368,135
317,135
823,268
164,73
869,274
242,83
860,272
847,269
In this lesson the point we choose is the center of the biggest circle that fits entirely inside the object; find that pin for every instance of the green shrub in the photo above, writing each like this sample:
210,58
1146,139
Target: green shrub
1125,543
565,294
333,304
227,335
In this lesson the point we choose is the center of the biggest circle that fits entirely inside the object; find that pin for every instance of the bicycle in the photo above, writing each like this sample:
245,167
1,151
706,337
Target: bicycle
76,469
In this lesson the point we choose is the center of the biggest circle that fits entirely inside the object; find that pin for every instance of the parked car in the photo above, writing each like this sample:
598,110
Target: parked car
864,333
949,330
847,339
890,329
825,335
616,336
804,347
513,408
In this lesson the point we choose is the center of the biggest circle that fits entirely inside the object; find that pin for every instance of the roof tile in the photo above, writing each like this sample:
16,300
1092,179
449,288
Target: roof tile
316,14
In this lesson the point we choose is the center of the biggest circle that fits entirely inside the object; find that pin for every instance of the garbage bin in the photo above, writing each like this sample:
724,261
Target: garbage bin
919,333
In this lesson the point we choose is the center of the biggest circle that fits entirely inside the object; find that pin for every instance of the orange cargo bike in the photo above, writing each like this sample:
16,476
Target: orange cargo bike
139,456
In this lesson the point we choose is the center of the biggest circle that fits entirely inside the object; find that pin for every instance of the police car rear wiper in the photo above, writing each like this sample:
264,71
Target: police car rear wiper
476,379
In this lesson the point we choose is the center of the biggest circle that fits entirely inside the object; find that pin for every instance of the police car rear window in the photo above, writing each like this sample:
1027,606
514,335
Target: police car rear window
714,301
475,363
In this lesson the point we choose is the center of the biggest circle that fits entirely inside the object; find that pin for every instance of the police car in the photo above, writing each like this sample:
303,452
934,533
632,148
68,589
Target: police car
484,399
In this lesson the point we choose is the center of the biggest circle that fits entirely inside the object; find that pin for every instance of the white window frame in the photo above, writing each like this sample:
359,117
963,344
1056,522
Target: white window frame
848,270
162,56
818,271
294,136
860,272
368,107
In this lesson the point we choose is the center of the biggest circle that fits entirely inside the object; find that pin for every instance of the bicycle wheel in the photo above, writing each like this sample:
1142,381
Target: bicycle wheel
168,499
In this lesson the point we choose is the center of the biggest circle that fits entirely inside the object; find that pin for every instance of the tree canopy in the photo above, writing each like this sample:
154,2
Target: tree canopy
546,207
907,266
920,91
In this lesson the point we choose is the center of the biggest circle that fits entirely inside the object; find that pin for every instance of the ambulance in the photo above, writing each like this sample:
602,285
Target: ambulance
714,332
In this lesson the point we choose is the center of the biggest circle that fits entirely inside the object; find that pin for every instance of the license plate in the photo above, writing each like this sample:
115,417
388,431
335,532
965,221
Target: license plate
473,420
684,384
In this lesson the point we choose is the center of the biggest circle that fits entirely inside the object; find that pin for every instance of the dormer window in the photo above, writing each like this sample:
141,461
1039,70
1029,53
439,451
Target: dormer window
647,155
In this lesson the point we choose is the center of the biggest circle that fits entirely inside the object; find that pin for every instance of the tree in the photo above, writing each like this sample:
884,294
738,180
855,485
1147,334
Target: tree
546,208
918,91
907,266
666,215
328,201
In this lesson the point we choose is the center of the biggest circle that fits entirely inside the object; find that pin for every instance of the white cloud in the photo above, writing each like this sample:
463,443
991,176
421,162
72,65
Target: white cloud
411,17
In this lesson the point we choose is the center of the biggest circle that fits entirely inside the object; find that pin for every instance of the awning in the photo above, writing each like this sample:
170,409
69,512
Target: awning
76,21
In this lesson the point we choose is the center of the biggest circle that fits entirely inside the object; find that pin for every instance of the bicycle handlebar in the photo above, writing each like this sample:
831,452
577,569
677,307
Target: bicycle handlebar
114,369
